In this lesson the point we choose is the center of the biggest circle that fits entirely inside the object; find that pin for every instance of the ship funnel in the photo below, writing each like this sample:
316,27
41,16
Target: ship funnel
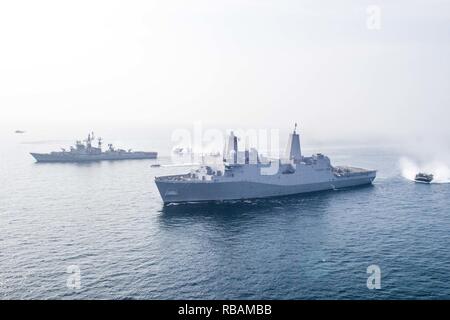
231,149
293,151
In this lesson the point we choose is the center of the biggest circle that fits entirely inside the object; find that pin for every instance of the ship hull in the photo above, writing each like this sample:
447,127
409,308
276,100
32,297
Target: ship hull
423,181
66,157
176,192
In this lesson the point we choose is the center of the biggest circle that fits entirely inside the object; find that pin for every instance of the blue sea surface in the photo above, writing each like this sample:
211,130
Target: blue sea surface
108,220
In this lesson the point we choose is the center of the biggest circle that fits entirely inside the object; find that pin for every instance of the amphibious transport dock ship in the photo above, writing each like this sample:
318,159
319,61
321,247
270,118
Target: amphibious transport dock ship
85,152
250,178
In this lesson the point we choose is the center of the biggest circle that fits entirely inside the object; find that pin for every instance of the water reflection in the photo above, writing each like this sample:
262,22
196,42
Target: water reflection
311,204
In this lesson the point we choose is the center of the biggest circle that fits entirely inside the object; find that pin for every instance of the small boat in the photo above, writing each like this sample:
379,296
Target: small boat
156,165
423,177
182,151
19,131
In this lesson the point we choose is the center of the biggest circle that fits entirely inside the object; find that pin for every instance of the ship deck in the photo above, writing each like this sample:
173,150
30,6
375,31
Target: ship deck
345,171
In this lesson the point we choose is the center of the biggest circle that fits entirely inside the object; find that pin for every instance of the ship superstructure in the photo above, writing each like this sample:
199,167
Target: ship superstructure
424,177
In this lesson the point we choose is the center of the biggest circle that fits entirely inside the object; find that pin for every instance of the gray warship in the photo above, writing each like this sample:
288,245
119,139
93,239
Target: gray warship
84,151
252,178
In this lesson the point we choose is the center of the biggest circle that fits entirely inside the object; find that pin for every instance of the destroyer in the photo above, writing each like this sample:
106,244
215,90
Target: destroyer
234,180
85,151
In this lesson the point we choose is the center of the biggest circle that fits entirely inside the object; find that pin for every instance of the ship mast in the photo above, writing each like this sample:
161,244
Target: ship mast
294,151
100,143
231,150
88,142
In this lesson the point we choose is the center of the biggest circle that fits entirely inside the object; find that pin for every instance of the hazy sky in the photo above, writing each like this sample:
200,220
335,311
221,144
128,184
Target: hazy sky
247,62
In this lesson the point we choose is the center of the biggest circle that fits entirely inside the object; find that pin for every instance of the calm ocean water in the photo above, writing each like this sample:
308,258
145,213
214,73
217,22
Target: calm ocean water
108,219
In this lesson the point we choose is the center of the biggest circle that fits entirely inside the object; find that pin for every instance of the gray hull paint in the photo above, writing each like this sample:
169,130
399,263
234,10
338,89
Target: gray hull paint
42,157
209,191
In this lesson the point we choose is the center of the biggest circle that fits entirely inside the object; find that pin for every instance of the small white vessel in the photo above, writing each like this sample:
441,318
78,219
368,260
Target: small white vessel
182,151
